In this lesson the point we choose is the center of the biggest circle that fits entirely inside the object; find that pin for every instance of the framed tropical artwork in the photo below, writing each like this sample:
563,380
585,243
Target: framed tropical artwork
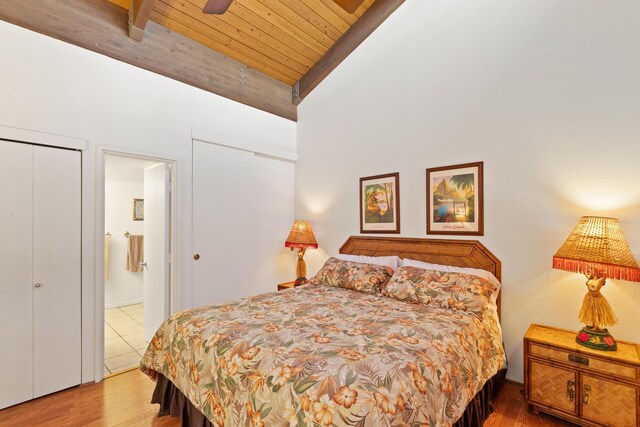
138,209
455,200
380,204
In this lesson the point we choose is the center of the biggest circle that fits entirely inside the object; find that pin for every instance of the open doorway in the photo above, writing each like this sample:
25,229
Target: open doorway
137,274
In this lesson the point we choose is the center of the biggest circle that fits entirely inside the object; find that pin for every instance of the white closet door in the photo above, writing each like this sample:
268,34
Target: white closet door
57,261
16,260
274,218
224,222
242,214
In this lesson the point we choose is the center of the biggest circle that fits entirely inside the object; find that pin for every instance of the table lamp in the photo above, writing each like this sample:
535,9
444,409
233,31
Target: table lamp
597,248
300,238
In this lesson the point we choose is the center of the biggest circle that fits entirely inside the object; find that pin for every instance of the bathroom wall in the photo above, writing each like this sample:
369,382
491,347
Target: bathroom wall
124,181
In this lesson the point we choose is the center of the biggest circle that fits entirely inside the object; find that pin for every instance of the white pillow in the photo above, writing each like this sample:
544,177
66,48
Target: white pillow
452,269
387,261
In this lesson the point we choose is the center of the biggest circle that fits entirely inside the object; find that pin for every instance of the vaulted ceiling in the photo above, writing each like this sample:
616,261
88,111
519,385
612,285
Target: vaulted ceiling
268,54
281,38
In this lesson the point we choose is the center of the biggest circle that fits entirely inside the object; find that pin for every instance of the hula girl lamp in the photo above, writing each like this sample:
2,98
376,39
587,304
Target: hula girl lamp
597,248
301,238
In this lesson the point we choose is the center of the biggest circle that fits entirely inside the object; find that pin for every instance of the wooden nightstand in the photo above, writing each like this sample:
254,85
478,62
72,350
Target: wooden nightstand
585,386
285,285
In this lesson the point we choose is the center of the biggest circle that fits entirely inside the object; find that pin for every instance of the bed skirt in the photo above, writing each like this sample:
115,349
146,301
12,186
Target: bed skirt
174,403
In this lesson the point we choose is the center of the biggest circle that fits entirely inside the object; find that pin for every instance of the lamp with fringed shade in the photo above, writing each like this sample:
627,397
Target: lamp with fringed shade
301,238
597,248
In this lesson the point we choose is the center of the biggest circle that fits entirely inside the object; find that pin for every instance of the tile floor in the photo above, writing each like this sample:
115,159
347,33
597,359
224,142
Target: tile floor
124,343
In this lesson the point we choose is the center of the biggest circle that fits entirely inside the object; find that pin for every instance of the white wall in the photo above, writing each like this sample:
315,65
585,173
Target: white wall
123,287
124,181
54,87
546,93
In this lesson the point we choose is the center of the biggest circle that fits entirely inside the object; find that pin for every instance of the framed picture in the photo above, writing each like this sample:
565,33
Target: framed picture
138,209
380,204
455,200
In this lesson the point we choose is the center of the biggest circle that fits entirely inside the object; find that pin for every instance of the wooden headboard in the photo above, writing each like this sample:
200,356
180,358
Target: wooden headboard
459,253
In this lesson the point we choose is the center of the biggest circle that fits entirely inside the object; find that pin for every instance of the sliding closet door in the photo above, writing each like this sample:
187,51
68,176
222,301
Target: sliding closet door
242,214
57,260
224,201
16,286
274,208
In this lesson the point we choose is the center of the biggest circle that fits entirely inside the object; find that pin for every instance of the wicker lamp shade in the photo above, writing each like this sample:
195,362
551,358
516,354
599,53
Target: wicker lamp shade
301,236
597,247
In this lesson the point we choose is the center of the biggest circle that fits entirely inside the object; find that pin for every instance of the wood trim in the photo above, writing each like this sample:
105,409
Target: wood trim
229,141
363,27
514,382
459,253
395,175
139,15
102,27
479,194
42,138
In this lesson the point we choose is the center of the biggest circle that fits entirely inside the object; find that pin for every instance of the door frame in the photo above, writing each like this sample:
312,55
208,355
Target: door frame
174,285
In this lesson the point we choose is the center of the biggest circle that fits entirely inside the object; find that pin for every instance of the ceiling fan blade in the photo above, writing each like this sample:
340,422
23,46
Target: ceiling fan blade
349,5
217,7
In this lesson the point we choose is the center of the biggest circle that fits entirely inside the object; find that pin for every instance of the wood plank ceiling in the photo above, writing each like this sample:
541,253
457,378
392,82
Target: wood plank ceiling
268,54
280,38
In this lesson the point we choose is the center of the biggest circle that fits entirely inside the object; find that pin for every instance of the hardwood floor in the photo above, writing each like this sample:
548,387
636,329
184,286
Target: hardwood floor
120,400
510,410
123,400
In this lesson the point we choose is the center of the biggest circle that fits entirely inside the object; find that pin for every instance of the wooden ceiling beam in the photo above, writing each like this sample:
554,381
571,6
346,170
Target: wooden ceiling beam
139,14
363,27
101,26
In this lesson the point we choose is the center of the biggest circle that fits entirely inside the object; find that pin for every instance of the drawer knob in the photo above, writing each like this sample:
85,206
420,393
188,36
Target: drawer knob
571,390
586,394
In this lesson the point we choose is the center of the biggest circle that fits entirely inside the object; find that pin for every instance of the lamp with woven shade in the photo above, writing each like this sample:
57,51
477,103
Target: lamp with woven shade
597,248
301,238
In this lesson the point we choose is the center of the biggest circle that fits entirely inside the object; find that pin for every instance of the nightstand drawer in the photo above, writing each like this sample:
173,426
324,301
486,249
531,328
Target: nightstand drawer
576,359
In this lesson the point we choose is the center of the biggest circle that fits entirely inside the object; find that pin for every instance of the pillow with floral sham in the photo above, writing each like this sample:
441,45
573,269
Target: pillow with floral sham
448,290
367,278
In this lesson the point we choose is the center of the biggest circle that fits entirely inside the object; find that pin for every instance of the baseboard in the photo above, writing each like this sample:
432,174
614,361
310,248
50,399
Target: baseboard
507,380
122,303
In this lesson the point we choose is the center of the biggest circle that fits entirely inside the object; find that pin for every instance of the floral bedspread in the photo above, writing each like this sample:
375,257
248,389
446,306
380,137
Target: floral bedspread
323,356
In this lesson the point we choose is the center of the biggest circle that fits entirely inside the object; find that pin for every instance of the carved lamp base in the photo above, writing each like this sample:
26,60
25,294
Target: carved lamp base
300,281
596,339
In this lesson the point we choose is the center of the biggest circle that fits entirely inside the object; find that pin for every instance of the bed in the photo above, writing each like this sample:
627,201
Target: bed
322,356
